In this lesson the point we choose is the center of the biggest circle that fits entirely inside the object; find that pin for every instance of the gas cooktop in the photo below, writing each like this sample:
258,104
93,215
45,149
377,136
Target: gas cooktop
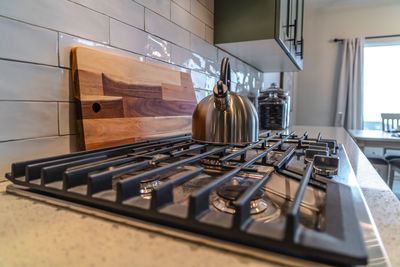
286,193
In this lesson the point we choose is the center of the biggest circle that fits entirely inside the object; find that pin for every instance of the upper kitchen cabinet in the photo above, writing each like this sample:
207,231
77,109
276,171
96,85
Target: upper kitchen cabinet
267,34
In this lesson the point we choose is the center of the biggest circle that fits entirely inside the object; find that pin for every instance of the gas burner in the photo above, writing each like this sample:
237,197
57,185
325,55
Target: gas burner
227,194
148,185
215,164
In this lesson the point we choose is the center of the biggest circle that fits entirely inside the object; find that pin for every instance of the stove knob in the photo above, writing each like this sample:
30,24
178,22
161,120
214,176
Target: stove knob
326,165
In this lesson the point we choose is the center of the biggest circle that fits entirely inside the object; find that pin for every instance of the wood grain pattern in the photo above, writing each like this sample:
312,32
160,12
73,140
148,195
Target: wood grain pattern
114,129
106,109
115,88
123,100
139,107
87,83
174,92
122,69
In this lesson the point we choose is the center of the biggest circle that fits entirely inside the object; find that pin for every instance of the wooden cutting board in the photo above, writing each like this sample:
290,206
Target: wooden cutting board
123,100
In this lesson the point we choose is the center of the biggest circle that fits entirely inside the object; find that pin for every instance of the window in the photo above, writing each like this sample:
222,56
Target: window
381,82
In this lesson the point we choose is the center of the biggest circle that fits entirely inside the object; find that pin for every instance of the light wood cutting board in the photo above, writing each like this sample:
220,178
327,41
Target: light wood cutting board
123,100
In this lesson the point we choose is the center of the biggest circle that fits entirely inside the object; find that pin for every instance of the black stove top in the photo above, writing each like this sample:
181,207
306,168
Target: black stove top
284,193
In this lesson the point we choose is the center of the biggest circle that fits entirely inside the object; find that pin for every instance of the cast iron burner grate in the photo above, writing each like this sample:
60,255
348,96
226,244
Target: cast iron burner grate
113,179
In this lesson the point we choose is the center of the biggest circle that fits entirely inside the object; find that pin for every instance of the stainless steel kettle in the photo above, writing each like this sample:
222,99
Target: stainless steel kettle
225,117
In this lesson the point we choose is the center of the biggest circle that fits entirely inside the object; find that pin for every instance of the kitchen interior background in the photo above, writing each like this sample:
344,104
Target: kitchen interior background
37,110
37,113
324,20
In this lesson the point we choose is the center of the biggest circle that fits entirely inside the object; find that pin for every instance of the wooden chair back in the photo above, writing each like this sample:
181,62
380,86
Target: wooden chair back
390,121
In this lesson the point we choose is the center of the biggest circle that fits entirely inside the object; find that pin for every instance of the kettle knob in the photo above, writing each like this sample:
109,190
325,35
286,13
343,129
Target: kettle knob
221,90
221,96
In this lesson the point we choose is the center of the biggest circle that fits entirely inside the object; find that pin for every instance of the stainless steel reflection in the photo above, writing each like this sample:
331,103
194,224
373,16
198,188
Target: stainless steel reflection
225,117
237,124
326,165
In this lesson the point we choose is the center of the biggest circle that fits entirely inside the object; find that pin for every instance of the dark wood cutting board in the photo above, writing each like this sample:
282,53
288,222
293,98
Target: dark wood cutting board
123,100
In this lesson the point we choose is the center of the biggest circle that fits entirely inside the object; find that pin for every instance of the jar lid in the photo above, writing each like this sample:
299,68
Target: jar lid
275,88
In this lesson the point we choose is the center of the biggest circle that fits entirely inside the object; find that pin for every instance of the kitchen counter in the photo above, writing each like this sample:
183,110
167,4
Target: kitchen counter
36,233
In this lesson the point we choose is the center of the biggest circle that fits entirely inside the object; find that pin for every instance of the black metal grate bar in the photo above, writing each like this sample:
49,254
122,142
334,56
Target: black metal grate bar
242,151
163,194
269,149
264,134
130,187
32,171
18,168
54,172
103,180
201,148
242,205
292,217
78,176
171,148
284,159
156,146
198,201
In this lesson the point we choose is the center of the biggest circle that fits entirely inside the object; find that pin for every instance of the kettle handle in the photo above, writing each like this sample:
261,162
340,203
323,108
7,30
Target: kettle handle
225,75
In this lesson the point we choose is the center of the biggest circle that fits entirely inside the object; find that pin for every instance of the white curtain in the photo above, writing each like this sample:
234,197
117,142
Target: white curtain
349,106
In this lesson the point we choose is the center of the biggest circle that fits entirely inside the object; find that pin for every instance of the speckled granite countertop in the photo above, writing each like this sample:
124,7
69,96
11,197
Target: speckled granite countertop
34,233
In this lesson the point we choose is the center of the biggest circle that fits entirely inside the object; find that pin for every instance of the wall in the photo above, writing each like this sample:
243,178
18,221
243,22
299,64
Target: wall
315,94
37,111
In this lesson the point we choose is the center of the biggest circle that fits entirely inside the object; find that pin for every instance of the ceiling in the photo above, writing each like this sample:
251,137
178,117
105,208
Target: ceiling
330,3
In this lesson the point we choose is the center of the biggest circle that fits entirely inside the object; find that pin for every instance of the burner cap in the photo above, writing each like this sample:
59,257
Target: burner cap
233,192
151,179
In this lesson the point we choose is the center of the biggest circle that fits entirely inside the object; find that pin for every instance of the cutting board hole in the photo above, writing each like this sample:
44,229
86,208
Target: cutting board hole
96,107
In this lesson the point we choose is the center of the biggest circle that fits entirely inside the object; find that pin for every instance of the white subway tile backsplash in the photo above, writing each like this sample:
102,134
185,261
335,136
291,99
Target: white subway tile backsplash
24,42
201,12
124,10
25,81
200,94
127,37
67,114
67,42
168,65
184,4
60,15
212,67
203,48
203,81
198,79
162,7
209,35
187,59
233,86
234,77
158,48
211,81
184,19
165,29
35,148
27,120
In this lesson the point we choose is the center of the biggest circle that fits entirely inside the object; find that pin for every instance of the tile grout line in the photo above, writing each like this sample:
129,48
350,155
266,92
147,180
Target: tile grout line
190,44
24,22
58,117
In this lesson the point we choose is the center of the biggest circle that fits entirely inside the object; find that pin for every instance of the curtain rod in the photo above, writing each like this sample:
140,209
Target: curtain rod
337,40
